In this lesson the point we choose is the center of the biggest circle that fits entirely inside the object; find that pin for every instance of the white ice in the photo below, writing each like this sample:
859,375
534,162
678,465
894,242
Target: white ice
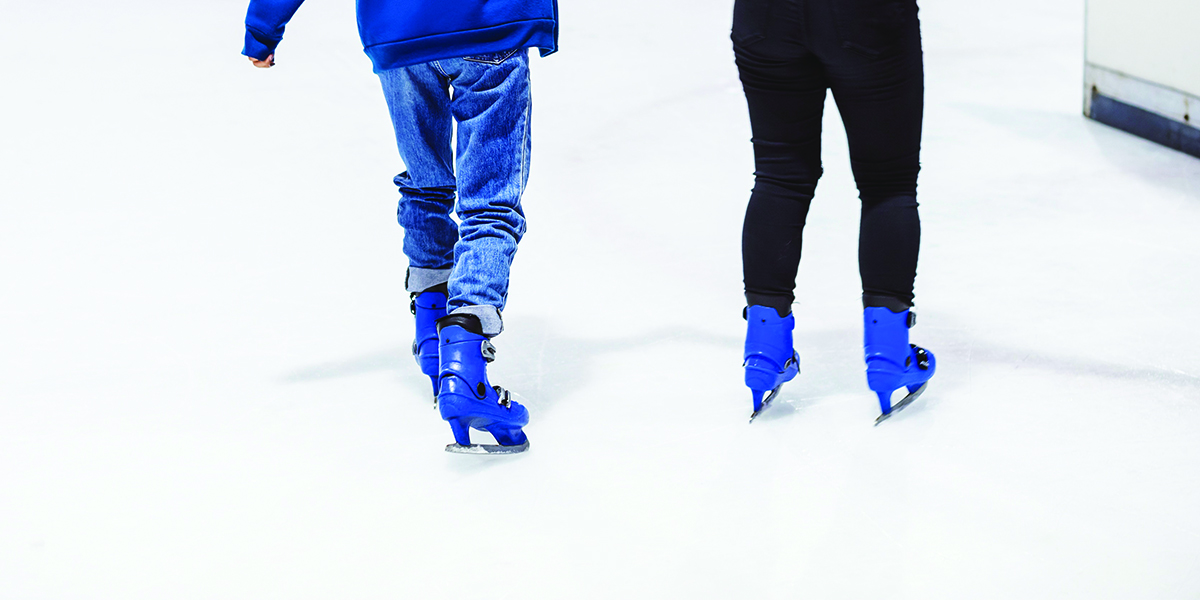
206,390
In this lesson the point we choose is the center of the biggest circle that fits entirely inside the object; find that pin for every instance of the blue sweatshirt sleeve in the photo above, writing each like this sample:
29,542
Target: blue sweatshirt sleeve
265,20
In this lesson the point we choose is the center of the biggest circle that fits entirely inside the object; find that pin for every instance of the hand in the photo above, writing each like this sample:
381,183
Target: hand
263,64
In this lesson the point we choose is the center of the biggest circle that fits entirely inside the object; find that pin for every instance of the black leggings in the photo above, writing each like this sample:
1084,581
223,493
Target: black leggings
789,52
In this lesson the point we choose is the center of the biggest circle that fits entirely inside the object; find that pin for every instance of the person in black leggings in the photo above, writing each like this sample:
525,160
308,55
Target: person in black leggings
868,52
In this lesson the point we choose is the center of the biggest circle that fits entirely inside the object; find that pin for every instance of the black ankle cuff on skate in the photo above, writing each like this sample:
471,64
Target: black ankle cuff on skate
783,306
465,320
441,288
891,303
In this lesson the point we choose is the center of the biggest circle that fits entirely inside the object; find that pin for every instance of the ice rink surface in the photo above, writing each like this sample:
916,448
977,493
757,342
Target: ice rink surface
205,382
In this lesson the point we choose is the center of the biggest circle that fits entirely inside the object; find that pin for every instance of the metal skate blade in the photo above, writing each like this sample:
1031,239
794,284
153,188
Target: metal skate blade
766,402
902,404
487,448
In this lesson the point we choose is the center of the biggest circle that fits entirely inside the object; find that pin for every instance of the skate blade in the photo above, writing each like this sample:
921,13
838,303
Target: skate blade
766,402
903,403
487,448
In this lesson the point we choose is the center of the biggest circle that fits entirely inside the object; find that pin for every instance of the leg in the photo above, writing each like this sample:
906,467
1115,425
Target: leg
466,399
880,97
881,100
419,101
786,98
492,105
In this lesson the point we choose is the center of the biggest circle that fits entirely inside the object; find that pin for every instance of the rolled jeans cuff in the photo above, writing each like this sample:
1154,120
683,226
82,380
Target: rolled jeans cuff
418,280
489,317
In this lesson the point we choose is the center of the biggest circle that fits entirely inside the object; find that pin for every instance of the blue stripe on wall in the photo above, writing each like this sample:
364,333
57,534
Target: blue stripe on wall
1143,123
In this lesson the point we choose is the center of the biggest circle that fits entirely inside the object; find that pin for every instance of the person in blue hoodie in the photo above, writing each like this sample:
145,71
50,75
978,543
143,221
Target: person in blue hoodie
463,61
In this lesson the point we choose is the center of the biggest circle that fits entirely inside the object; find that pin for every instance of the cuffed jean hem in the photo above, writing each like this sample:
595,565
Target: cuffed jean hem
418,280
489,317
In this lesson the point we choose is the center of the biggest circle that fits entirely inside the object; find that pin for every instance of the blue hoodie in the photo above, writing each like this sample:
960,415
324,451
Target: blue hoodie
397,33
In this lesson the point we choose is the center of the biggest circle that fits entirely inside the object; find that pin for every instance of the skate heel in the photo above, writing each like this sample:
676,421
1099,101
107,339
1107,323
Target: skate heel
467,400
769,359
427,359
426,354
462,432
761,374
883,376
883,379
893,363
885,401
427,307
508,436
757,397
765,380
428,364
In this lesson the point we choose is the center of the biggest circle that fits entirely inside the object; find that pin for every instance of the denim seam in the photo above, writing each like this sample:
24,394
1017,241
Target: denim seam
525,137
507,55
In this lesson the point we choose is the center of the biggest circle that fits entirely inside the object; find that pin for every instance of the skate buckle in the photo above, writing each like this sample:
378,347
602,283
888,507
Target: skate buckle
505,398
412,303
488,351
922,357
912,318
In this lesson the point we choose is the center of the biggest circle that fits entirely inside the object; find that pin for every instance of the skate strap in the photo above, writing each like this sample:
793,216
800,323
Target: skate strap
505,398
793,359
922,357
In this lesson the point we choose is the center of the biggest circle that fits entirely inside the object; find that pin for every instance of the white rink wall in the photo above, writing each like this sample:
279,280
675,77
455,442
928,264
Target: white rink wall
1157,41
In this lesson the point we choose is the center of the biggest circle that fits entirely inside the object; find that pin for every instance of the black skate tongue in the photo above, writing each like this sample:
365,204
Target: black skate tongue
466,321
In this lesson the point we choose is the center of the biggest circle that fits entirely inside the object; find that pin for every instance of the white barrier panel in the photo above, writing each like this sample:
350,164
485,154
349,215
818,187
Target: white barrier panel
1142,71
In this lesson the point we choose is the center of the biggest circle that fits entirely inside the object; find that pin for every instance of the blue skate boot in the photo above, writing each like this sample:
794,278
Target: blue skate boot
893,363
428,306
770,360
465,398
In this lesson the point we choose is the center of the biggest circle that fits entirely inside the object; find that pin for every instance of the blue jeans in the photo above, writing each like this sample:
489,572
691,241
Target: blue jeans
489,97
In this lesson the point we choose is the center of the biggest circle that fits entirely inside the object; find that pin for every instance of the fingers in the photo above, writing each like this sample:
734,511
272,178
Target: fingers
263,64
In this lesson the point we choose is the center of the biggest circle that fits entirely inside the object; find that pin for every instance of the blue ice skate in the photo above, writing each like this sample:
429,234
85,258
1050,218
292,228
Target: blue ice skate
466,399
428,307
770,360
893,363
